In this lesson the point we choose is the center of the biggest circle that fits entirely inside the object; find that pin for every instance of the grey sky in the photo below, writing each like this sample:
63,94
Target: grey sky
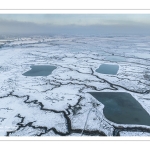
75,23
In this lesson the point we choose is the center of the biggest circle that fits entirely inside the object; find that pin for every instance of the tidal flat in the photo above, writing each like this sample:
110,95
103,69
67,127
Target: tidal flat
59,103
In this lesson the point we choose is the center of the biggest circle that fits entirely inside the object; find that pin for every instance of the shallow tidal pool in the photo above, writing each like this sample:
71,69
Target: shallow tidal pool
122,108
40,70
108,69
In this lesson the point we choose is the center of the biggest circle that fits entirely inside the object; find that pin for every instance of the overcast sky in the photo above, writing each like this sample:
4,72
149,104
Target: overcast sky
76,24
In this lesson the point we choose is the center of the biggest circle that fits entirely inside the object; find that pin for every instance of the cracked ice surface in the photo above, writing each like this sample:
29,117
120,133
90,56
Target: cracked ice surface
59,104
